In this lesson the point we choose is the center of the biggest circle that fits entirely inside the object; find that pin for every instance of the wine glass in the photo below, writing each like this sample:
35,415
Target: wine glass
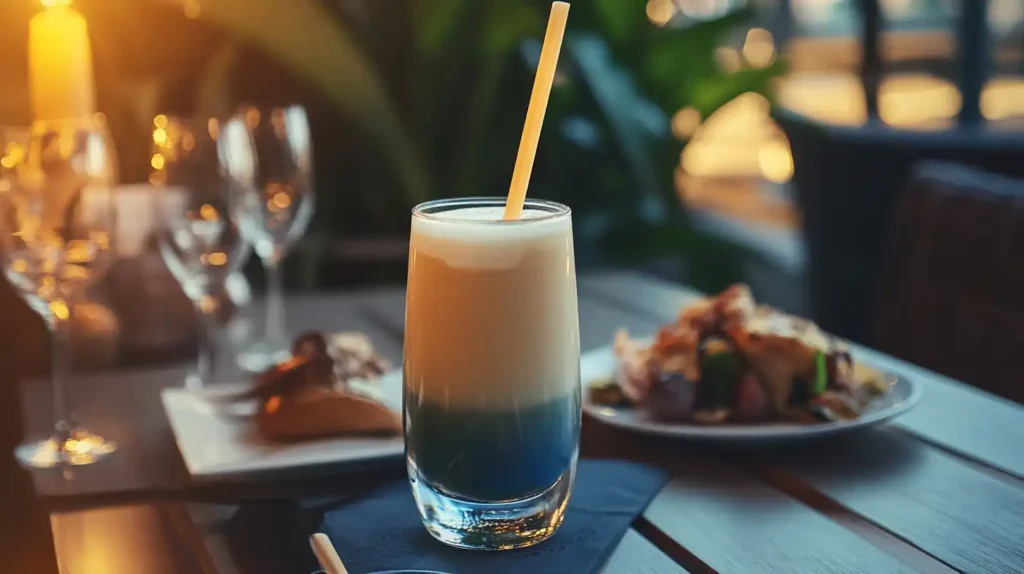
57,224
277,211
203,167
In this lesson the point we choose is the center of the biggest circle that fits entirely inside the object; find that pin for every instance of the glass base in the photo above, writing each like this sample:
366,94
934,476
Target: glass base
82,447
262,355
491,526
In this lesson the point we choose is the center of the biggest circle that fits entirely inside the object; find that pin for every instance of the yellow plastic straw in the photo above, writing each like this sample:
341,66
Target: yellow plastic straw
535,113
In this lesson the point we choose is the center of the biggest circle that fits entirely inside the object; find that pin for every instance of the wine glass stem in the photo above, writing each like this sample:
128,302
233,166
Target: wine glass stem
205,317
59,323
275,302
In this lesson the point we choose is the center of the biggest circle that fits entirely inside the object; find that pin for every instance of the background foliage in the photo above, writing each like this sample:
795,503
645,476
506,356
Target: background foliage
416,99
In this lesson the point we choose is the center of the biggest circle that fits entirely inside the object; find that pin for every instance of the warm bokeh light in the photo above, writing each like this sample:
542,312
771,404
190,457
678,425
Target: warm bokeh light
1003,98
193,9
157,162
208,212
52,3
252,118
728,58
776,161
660,12
59,309
160,136
279,202
759,48
702,9
160,121
685,122
12,155
79,251
733,141
908,101
917,99
217,259
836,98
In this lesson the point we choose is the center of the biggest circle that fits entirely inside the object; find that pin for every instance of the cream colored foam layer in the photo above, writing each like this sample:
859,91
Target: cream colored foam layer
491,315
476,237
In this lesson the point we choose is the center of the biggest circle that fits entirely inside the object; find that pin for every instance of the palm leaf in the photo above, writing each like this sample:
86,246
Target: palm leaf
631,118
306,38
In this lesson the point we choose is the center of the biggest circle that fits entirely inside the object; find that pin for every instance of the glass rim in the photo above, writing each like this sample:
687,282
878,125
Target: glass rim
553,210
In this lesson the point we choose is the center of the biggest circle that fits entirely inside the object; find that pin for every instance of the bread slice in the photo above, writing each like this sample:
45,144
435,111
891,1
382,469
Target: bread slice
321,412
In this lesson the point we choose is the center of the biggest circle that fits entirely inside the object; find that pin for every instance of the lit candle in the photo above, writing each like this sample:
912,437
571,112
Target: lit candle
60,63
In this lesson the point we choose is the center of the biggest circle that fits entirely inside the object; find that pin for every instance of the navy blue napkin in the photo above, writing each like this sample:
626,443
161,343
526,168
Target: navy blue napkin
382,530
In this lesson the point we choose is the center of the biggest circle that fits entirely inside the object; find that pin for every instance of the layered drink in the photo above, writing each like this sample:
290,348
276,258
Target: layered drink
492,390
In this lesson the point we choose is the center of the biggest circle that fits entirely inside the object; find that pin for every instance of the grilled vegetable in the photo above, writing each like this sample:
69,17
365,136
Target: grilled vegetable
711,417
799,392
672,398
607,392
726,358
751,402
822,413
821,373
720,372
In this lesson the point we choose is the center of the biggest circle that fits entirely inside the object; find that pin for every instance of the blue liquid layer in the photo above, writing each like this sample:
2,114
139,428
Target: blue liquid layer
492,456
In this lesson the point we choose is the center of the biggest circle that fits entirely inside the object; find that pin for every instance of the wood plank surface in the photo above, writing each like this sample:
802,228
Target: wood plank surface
146,538
721,512
155,540
968,421
737,525
636,555
125,406
386,308
711,493
968,519
124,540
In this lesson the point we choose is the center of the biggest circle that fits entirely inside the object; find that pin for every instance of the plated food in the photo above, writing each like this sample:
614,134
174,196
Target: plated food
320,391
728,360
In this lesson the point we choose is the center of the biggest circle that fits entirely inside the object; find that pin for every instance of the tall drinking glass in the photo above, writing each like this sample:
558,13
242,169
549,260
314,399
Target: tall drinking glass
203,167
57,217
492,384
277,211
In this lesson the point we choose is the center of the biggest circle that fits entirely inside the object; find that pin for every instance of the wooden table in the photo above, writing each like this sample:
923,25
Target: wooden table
939,490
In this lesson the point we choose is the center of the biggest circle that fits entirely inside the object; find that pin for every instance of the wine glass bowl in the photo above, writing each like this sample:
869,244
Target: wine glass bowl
202,166
278,208
280,204
57,225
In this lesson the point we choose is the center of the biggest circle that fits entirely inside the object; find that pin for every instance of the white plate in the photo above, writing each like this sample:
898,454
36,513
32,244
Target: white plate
600,364
219,446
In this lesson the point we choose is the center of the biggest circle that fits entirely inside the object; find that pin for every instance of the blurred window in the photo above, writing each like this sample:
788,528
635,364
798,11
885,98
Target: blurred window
820,40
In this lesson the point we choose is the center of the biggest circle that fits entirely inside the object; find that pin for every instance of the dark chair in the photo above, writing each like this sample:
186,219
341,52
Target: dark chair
849,179
950,294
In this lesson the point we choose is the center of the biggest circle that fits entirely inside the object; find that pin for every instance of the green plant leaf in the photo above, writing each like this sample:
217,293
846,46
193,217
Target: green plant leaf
619,19
633,120
676,59
305,37
436,21
713,93
711,262
506,25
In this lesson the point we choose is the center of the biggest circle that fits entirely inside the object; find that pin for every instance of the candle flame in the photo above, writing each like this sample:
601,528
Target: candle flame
54,3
